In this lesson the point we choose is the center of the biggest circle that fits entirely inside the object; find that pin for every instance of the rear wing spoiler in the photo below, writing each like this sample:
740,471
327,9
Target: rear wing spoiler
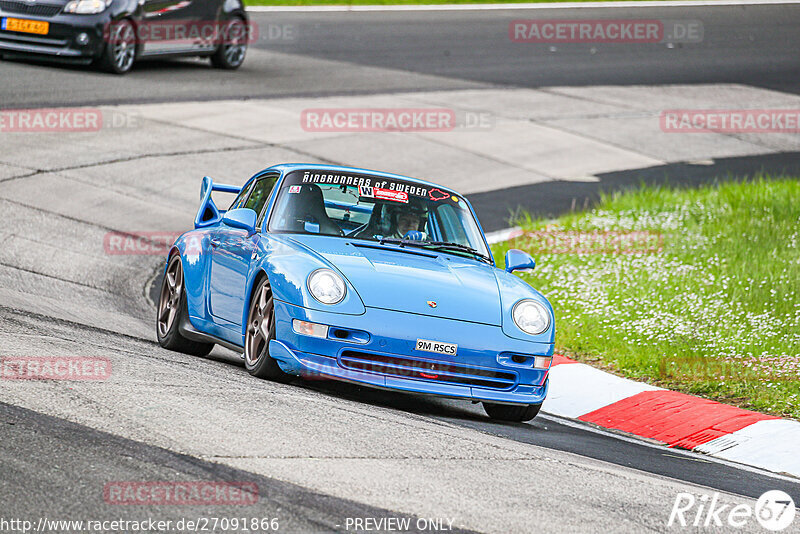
208,213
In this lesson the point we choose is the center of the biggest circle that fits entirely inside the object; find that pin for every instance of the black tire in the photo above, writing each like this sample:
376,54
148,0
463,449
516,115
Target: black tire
120,51
257,360
517,413
172,309
232,50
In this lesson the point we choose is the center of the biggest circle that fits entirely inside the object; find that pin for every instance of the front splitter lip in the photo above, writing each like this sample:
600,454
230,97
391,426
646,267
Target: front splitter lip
45,52
312,366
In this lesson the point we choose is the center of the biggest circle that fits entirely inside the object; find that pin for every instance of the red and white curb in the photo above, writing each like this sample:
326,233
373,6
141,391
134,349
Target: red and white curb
579,391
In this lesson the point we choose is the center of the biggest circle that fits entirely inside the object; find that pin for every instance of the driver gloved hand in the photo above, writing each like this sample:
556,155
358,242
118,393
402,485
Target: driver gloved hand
415,235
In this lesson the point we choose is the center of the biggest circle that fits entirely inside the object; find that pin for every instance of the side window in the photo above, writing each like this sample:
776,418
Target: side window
260,194
241,197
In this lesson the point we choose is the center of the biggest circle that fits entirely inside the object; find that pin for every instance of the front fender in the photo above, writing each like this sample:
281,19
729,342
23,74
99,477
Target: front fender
230,9
512,290
287,264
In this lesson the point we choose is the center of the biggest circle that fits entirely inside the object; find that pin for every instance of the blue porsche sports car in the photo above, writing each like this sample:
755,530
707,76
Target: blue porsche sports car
363,276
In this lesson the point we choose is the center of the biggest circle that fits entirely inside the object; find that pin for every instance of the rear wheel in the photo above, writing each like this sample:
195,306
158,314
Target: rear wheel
172,309
231,51
509,412
260,331
120,51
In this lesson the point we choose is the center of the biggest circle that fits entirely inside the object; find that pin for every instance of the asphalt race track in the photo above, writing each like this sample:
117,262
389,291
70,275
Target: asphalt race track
320,452
355,53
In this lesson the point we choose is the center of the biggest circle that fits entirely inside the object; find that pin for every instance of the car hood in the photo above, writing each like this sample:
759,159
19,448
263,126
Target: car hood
413,280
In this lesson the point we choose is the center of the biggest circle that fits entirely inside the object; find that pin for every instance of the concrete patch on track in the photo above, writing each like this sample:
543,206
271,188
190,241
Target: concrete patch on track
531,135
10,171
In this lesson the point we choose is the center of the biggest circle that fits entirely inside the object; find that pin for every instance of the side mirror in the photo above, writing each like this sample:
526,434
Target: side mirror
242,218
517,260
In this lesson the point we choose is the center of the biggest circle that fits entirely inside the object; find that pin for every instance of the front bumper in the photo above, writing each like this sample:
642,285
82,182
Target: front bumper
61,39
380,352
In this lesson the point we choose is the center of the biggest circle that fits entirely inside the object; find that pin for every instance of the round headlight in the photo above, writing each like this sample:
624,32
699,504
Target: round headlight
531,317
326,286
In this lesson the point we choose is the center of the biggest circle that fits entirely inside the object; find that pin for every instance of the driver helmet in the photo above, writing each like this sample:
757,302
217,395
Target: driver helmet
415,207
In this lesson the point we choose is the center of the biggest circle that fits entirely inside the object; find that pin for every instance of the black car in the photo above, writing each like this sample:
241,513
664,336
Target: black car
115,33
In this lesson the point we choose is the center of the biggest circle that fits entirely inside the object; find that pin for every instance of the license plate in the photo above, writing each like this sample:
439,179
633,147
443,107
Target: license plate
438,347
26,26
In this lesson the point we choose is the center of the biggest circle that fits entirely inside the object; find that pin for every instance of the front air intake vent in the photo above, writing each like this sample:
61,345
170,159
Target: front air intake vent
436,371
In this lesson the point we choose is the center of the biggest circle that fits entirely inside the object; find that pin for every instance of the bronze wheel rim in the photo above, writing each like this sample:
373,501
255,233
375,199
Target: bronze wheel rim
259,327
171,291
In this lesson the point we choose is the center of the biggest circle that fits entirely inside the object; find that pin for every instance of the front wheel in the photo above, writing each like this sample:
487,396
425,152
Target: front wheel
233,46
120,51
260,331
509,412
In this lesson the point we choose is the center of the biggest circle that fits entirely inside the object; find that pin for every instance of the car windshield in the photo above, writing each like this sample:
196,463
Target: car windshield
351,205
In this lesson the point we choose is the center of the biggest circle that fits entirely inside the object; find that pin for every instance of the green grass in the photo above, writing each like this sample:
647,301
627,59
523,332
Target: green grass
716,313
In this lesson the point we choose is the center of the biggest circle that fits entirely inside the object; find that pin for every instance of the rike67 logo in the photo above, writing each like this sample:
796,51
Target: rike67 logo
775,510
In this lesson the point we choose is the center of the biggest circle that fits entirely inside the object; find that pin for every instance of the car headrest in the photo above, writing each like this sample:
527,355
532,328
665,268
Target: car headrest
309,199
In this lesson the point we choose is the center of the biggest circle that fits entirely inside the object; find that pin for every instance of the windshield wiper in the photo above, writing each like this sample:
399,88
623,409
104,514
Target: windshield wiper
457,246
439,245
402,242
